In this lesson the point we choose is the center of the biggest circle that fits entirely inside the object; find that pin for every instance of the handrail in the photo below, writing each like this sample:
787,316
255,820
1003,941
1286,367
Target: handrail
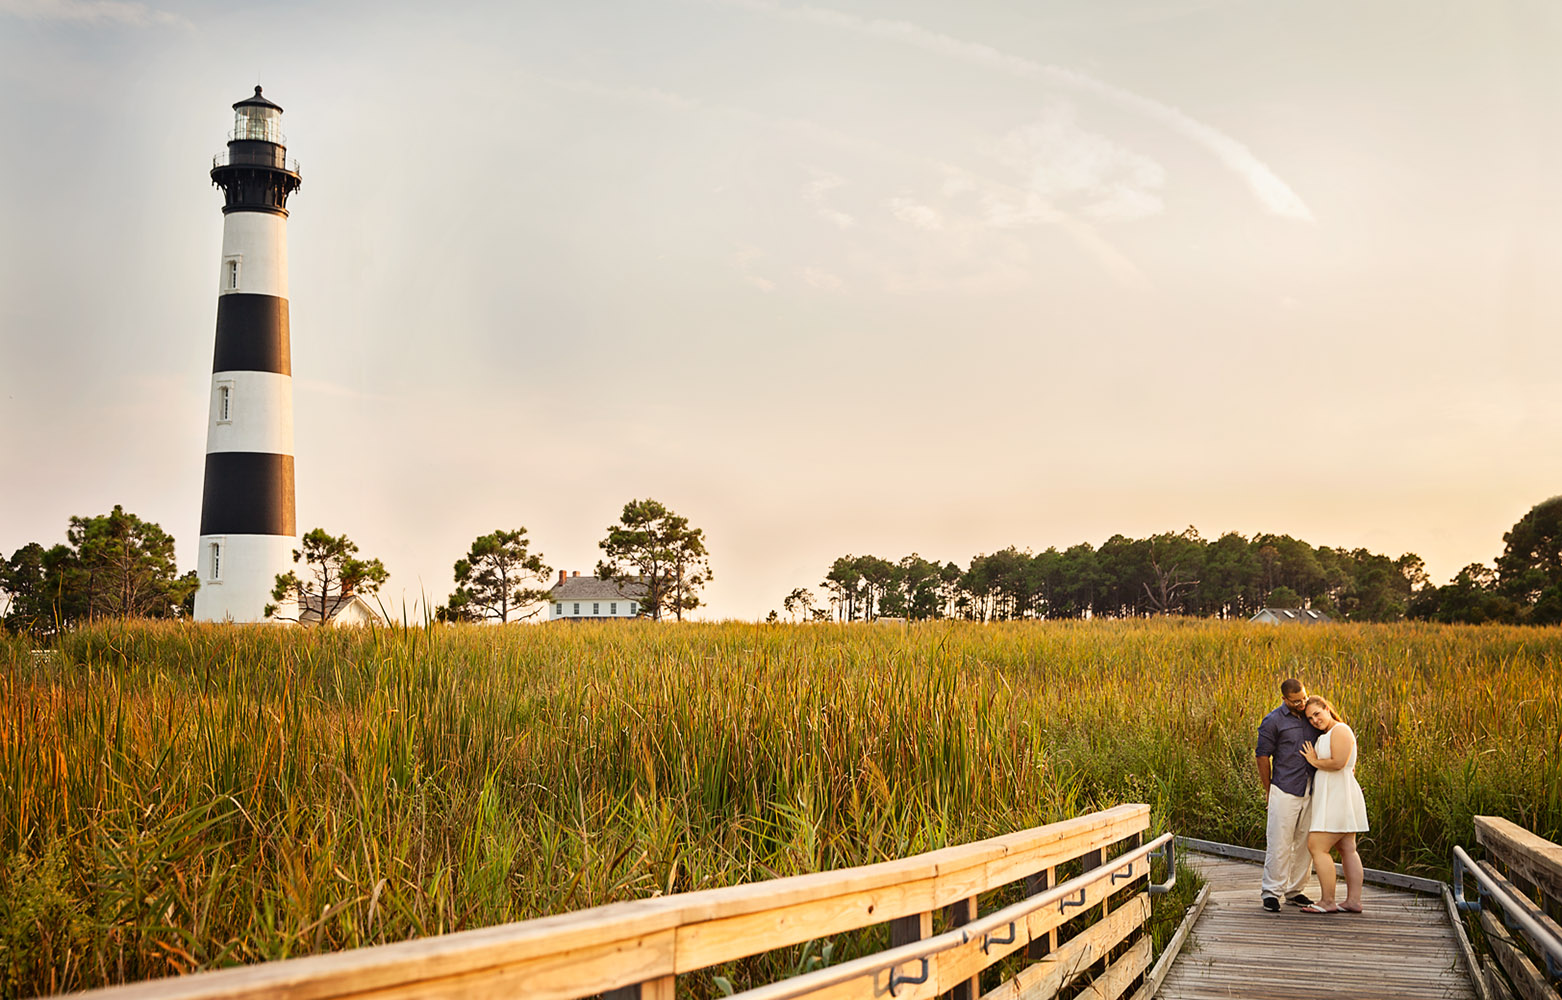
1523,853
1161,888
1374,876
649,941
1540,936
966,933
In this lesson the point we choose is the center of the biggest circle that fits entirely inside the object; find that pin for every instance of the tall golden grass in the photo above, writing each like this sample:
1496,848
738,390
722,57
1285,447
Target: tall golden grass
175,797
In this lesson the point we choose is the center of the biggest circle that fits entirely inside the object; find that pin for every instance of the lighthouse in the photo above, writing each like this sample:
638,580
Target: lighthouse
248,525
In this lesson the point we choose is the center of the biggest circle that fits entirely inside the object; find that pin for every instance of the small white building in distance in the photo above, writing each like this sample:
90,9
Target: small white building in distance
577,598
348,610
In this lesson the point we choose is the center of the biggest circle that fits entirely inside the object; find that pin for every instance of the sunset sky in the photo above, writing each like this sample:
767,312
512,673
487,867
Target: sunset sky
856,277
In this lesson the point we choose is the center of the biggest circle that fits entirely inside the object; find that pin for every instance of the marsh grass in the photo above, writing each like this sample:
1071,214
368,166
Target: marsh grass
176,797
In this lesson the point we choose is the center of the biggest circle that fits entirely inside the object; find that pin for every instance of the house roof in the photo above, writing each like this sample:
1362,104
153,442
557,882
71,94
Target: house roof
590,588
1300,616
339,604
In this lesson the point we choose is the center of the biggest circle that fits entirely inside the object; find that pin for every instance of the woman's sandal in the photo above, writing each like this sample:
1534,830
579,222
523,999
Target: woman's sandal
1347,909
1319,908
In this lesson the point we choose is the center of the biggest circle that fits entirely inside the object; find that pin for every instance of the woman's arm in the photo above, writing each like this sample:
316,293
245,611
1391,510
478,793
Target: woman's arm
1341,742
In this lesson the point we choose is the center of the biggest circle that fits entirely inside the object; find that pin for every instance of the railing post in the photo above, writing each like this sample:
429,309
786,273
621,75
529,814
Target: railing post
963,912
912,927
1035,885
1136,840
1095,859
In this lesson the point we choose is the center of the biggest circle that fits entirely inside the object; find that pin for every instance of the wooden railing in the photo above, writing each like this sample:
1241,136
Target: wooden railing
1518,909
638,949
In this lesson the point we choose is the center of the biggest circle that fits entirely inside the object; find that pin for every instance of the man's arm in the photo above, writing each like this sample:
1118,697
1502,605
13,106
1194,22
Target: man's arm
1267,738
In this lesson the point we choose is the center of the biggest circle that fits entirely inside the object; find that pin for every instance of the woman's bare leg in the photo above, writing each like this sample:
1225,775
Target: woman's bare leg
1353,875
1318,844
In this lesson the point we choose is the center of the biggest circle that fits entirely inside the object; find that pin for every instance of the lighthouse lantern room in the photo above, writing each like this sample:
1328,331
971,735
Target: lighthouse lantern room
248,524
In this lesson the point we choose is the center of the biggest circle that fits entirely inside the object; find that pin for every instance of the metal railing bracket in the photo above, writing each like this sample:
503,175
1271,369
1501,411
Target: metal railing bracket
896,980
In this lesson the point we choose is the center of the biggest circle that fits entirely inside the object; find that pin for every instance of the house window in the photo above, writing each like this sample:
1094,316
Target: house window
216,560
596,609
612,609
224,403
631,609
230,274
577,607
559,608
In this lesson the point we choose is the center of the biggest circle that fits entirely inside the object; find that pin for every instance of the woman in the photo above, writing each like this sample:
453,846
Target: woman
1339,810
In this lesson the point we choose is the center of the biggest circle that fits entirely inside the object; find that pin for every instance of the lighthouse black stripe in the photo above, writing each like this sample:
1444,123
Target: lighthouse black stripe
252,334
248,493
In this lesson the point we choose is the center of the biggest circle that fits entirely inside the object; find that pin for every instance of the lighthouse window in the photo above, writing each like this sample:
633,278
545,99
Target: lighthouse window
224,402
230,274
216,560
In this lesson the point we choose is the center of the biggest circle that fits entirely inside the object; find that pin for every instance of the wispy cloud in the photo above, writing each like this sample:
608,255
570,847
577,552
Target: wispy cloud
914,213
816,277
125,12
814,194
1090,173
1273,193
743,259
999,206
1002,206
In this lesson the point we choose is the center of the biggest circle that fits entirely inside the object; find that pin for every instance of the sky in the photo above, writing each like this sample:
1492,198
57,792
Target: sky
854,276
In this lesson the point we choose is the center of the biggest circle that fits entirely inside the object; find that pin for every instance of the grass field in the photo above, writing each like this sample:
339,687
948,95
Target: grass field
176,797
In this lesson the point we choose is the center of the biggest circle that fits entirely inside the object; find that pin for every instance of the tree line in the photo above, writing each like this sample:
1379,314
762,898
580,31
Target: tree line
117,565
1182,573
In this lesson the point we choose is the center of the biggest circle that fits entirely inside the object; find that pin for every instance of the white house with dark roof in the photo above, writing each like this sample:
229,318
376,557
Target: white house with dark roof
582,598
349,609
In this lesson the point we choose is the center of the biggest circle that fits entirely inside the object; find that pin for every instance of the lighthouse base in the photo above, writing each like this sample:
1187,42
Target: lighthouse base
238,573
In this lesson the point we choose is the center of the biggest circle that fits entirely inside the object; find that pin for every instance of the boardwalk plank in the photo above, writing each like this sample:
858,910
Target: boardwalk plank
1403,946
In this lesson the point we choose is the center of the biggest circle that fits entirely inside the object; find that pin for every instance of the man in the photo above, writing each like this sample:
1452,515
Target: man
1287,780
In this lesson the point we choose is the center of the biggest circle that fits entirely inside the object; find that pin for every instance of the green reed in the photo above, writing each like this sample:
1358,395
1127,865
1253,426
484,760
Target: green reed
175,797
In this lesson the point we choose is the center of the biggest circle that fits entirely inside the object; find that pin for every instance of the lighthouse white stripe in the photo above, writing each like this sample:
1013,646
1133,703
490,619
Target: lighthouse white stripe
260,413
257,243
248,568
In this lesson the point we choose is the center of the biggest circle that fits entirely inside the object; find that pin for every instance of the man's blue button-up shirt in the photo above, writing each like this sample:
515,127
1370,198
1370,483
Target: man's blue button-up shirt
1280,736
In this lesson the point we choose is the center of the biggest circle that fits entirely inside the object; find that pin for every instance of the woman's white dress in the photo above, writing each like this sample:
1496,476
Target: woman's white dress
1338,805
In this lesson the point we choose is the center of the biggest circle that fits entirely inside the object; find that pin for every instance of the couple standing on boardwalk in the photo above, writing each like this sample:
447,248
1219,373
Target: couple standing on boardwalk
1307,765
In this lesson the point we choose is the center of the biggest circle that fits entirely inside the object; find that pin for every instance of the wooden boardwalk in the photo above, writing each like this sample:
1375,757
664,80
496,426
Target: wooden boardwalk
1403,946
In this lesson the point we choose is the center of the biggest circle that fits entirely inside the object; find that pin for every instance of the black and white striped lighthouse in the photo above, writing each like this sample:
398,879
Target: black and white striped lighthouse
248,526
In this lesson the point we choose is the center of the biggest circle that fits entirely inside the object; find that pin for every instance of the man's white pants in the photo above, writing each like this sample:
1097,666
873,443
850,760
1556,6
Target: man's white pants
1286,861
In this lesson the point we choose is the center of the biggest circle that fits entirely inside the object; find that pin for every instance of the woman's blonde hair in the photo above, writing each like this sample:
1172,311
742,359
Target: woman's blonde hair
1319,699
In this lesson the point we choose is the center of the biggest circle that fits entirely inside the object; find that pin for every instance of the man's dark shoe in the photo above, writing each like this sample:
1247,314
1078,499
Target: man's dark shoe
1272,904
1299,900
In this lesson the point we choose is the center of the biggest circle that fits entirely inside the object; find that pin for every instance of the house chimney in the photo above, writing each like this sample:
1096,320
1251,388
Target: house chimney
576,573
563,575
